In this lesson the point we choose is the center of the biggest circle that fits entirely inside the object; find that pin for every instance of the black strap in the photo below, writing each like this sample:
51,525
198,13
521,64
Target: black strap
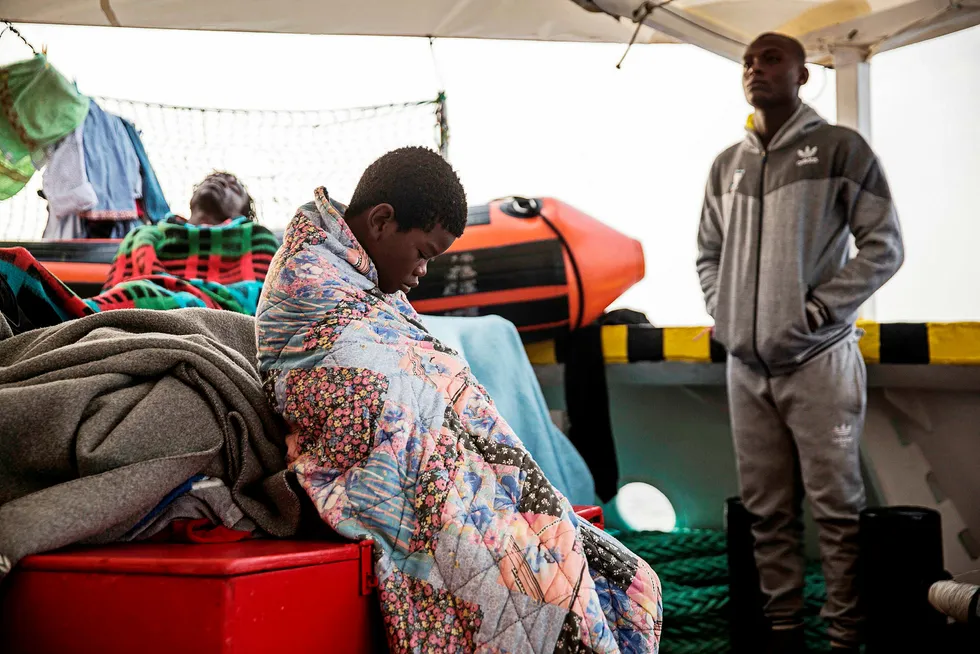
587,402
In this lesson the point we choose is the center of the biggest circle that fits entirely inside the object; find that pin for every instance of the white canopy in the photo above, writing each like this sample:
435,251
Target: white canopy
531,20
721,26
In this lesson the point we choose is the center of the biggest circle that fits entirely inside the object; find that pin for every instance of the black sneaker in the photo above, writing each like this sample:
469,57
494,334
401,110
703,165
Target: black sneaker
786,641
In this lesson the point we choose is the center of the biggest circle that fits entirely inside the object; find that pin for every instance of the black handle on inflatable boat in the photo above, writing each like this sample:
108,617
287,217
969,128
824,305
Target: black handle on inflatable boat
521,207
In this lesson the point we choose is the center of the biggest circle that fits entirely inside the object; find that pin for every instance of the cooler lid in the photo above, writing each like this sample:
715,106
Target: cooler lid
195,560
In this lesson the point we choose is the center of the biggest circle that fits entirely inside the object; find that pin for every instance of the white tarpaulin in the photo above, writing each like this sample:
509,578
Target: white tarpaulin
532,20
721,26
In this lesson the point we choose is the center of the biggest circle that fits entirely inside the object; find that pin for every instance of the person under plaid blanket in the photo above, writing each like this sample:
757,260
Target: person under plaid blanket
218,259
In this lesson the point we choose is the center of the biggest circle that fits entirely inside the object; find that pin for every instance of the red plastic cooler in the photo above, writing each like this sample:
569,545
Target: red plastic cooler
250,597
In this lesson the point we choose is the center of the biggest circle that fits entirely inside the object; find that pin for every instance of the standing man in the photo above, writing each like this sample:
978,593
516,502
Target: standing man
778,279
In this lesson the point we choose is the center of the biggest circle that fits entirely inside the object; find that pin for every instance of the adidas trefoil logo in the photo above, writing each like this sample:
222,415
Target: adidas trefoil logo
842,435
807,156
736,178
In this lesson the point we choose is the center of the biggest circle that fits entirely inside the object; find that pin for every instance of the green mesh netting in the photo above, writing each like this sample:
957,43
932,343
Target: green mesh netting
693,568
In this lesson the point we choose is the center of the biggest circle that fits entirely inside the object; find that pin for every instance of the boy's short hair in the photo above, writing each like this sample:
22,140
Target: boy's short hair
421,186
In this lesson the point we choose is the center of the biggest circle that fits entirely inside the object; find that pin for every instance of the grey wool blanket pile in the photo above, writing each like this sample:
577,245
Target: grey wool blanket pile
103,416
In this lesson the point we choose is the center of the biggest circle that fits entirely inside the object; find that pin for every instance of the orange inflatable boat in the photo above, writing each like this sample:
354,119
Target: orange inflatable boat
539,263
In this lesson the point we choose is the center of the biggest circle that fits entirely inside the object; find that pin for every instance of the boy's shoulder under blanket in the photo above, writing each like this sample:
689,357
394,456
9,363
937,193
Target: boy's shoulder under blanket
170,265
236,251
162,266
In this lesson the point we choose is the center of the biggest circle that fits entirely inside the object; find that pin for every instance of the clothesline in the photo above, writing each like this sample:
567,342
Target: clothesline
284,153
10,28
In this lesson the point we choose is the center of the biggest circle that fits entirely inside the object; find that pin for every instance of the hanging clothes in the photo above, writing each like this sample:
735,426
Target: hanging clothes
154,204
64,229
72,227
111,167
38,107
65,183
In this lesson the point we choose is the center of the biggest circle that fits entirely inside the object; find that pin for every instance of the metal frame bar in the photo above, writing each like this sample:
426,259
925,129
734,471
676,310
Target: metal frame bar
903,25
854,111
881,31
853,90
680,25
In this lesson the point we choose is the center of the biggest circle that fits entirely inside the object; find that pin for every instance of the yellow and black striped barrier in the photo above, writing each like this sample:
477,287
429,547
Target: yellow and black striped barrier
956,343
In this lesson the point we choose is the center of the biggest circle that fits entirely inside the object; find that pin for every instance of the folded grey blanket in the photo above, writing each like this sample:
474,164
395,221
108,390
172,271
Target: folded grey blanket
102,417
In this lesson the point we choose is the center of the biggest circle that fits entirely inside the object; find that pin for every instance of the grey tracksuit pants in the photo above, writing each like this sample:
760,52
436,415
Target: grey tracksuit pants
799,433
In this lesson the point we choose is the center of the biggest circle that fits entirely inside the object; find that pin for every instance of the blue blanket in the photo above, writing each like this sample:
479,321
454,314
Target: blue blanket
497,358
154,203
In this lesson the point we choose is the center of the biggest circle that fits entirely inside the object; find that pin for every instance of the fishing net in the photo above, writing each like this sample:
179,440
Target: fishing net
281,156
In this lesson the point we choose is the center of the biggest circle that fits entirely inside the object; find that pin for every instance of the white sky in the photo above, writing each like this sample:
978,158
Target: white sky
631,147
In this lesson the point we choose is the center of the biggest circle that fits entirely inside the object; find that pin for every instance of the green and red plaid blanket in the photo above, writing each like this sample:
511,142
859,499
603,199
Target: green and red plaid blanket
31,297
175,266
164,266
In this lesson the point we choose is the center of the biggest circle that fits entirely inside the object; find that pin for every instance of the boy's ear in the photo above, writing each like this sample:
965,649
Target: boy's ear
380,219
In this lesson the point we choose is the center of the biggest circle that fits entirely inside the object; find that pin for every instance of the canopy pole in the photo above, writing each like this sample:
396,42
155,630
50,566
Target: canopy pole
853,89
854,110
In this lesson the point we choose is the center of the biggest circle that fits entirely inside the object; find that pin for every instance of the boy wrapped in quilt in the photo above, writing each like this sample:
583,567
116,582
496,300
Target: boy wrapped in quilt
393,438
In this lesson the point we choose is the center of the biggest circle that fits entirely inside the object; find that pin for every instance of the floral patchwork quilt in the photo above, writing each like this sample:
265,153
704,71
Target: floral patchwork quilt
394,439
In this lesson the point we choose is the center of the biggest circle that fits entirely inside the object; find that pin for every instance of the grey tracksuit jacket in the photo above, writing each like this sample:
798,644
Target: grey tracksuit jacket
773,244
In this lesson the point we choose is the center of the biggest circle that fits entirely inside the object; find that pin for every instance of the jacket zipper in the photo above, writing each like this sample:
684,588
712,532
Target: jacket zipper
820,348
758,264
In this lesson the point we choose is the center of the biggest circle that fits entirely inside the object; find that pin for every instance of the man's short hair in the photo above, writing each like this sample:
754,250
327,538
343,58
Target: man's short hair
793,46
421,186
218,207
